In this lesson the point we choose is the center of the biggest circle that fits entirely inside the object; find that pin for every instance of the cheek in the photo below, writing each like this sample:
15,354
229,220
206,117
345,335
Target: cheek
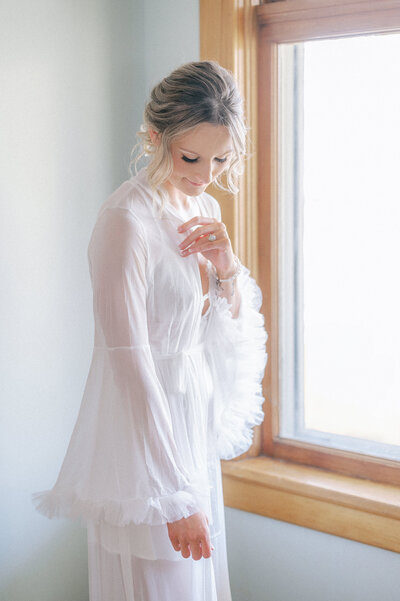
176,164
180,167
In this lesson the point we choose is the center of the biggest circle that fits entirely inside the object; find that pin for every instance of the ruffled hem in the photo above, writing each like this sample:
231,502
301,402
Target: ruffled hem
154,511
236,348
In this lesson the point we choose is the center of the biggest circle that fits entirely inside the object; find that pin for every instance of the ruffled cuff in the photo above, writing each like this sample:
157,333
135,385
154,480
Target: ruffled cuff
236,349
154,511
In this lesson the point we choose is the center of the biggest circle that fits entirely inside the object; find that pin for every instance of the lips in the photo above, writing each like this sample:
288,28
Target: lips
194,183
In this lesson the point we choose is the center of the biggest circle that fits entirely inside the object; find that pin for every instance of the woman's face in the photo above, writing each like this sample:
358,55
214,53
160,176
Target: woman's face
198,158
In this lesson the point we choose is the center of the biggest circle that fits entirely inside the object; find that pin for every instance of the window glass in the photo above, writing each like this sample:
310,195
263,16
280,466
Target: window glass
339,199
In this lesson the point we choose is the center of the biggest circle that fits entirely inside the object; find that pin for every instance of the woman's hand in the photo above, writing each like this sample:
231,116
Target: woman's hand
218,251
191,535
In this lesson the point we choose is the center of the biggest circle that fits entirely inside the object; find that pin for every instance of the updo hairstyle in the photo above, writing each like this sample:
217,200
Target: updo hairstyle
196,92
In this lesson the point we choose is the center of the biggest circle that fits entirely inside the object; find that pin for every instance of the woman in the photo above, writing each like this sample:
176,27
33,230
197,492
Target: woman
179,355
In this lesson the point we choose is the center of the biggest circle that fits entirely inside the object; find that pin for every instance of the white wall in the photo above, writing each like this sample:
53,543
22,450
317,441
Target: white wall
73,79
70,83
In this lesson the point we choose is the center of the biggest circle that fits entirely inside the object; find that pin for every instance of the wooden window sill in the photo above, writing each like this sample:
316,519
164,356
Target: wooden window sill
354,508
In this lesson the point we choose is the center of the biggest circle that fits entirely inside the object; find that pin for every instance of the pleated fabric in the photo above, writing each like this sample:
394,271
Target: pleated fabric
169,393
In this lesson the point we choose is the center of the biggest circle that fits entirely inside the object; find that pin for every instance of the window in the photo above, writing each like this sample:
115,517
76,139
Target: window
339,242
329,97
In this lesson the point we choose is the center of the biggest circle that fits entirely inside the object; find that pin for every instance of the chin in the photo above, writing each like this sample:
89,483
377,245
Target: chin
191,190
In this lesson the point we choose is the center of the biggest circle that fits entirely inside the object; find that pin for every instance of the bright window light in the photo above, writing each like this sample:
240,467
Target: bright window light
339,124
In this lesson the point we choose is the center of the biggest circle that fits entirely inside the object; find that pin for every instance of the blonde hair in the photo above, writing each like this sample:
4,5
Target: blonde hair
195,93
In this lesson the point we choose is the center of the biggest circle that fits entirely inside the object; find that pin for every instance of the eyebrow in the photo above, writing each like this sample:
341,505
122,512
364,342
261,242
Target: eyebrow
198,154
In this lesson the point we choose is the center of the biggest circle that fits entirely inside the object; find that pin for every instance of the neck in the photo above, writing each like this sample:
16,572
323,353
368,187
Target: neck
177,198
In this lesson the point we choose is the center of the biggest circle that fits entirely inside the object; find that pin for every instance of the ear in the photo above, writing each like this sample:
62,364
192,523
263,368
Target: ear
154,137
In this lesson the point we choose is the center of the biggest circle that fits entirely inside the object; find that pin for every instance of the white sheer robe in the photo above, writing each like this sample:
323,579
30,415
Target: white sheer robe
169,393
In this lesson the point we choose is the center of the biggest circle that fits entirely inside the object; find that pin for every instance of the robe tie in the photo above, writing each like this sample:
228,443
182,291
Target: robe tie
187,363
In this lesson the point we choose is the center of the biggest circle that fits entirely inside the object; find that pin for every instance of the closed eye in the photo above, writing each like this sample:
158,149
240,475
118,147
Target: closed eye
187,160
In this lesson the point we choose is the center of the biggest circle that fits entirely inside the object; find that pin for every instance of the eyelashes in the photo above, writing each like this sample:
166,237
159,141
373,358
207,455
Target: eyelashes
187,160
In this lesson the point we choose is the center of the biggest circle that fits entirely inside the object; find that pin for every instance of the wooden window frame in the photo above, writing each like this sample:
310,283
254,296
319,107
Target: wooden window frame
343,493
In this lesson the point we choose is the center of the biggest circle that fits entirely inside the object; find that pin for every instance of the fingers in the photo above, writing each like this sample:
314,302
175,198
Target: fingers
191,536
197,551
204,244
198,548
200,233
185,549
188,549
198,220
176,544
206,548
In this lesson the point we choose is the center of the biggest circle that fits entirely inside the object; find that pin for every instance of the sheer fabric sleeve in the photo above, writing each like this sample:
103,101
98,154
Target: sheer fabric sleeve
236,350
122,464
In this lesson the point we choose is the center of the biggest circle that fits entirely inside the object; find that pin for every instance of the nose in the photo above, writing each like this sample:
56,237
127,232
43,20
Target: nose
205,172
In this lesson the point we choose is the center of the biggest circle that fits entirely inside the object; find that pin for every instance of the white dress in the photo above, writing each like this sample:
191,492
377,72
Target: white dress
169,393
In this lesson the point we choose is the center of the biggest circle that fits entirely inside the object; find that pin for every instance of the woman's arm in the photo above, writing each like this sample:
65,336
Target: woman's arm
160,483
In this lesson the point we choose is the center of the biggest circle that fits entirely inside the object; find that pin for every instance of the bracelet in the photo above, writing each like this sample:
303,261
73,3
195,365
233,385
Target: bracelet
232,278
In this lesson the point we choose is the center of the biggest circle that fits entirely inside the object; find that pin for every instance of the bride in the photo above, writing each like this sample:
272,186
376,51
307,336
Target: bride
178,358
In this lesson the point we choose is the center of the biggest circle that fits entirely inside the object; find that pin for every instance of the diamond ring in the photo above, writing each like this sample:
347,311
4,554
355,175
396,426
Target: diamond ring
212,237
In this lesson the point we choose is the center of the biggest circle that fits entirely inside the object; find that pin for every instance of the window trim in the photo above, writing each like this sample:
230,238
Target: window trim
344,506
285,22
279,478
299,20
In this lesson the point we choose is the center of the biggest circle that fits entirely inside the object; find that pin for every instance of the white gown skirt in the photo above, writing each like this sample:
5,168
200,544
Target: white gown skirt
135,563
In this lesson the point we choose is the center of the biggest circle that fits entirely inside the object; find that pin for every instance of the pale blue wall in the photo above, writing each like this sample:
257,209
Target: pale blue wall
271,560
73,80
172,36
